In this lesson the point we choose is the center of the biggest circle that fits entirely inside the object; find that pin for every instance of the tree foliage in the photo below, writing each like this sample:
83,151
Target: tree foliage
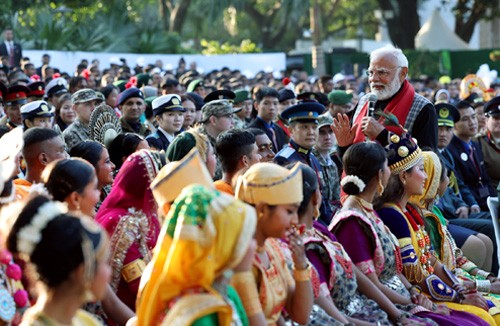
468,13
173,26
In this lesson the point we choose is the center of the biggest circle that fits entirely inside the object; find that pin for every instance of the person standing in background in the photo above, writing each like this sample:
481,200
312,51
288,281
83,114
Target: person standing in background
11,49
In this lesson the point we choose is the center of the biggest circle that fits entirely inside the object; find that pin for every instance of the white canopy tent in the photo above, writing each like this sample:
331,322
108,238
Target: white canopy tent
436,35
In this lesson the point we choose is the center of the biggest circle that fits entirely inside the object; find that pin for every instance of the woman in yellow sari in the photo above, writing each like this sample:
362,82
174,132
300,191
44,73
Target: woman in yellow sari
205,236
276,194
444,245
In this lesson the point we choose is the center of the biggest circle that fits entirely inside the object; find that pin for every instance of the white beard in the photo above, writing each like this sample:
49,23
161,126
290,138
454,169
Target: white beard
388,91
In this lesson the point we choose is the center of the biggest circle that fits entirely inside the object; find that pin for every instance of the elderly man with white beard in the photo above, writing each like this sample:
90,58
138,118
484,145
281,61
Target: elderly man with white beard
393,95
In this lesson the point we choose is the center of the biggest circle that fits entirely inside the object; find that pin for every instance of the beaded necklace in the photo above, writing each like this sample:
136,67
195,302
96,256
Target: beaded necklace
423,240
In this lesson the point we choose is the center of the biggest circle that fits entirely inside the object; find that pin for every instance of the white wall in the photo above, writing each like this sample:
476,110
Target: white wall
249,64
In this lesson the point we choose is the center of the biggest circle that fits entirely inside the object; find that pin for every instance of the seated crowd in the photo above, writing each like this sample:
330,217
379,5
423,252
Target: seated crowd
180,198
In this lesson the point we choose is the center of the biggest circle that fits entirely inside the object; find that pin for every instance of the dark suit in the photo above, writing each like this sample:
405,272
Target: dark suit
158,140
281,137
18,53
460,189
473,175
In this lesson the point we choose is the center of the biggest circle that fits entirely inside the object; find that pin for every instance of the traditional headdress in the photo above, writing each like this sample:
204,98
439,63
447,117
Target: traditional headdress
104,125
206,233
433,168
177,175
271,184
402,153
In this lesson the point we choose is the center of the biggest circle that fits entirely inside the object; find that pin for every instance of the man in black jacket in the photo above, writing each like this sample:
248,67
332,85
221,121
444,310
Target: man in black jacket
468,156
266,104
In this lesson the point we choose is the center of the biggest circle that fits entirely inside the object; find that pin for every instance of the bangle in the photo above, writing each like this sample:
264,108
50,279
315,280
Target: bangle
482,273
415,287
302,275
483,285
244,284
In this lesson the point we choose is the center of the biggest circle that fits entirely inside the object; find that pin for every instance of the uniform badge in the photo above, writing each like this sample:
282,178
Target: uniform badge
444,113
464,157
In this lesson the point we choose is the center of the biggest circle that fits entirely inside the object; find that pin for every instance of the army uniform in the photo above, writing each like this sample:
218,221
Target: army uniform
79,131
330,178
135,127
75,133
216,108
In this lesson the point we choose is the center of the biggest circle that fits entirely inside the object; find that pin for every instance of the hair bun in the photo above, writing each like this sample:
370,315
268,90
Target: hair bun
352,185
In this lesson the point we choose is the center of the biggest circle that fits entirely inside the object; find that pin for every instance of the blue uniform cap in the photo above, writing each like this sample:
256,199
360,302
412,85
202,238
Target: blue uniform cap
304,111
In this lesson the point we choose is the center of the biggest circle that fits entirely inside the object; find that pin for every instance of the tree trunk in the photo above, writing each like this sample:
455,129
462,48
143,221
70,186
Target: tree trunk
178,15
404,24
466,19
163,15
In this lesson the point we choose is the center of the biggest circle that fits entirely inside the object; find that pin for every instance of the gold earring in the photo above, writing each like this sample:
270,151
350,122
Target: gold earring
88,295
261,215
380,188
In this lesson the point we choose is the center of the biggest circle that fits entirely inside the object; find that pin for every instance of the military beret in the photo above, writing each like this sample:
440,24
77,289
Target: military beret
492,107
286,94
304,111
241,96
447,114
120,84
142,79
169,102
170,82
339,97
149,101
311,96
198,100
129,93
194,84
36,109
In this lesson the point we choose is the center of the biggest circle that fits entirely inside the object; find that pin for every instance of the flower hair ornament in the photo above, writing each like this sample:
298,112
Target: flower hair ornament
354,179
30,235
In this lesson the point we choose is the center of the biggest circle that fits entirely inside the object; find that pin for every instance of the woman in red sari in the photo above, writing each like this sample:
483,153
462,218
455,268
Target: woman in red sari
129,214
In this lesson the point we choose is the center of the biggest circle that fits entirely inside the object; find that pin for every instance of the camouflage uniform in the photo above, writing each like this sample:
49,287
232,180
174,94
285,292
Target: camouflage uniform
75,133
238,123
218,166
330,179
216,108
141,128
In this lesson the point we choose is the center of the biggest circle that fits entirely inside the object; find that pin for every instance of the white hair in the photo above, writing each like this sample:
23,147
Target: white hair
402,61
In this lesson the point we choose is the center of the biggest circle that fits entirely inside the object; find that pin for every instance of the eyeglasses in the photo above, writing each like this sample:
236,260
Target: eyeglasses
382,72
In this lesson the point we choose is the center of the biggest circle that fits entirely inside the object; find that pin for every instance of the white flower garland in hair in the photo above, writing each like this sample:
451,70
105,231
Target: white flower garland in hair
354,179
30,235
